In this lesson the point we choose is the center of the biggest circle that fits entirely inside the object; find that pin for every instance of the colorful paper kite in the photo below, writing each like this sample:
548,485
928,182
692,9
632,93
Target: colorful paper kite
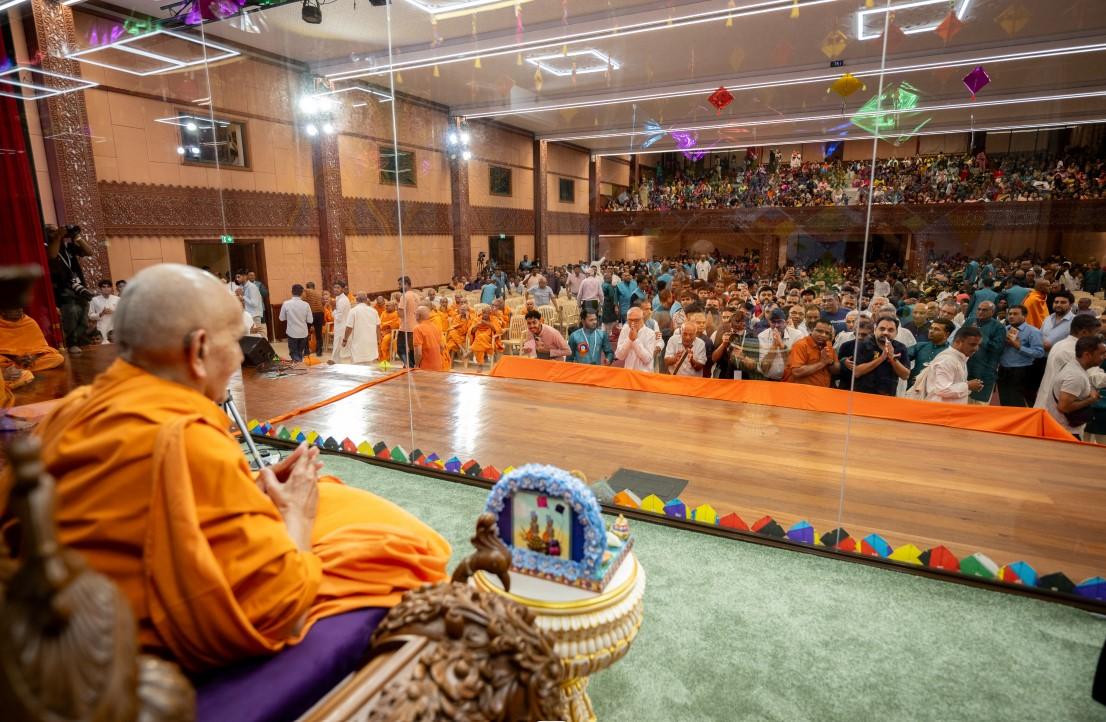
655,132
834,44
846,85
1013,19
720,98
976,80
949,27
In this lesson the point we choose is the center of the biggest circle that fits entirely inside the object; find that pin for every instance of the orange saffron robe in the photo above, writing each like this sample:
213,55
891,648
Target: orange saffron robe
483,340
389,321
24,338
1036,308
155,493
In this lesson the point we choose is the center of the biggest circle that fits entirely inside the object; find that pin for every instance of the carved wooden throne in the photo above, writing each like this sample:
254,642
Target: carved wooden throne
68,649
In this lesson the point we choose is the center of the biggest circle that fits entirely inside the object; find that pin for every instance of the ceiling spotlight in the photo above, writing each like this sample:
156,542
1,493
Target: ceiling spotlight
195,150
328,129
190,126
467,155
309,104
465,137
180,150
453,139
311,129
311,12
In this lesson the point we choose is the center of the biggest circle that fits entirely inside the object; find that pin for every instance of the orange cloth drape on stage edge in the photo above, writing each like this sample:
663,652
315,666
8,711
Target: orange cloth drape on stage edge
1035,423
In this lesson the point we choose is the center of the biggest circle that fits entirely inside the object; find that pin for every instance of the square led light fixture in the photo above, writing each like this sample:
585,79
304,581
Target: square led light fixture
356,92
192,122
588,60
158,52
916,16
24,82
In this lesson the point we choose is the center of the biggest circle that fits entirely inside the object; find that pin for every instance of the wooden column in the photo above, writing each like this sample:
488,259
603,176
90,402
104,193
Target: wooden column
328,199
635,172
462,235
541,200
65,125
593,208
769,255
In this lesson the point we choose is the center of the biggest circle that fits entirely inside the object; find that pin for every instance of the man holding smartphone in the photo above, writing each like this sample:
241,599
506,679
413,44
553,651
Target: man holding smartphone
880,361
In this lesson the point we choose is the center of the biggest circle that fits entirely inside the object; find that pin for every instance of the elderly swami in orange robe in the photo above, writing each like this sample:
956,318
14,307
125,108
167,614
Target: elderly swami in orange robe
218,564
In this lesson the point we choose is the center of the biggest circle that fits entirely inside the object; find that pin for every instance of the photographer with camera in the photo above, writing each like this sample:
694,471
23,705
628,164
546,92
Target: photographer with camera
64,248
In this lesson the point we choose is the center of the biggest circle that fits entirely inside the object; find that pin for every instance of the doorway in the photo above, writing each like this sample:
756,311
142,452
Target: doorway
223,259
501,248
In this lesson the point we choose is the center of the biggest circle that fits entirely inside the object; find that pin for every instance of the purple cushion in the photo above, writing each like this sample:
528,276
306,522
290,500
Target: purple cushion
286,685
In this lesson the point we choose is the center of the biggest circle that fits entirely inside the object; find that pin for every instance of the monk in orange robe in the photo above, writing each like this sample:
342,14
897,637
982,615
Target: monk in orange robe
484,337
389,321
218,564
23,349
1036,304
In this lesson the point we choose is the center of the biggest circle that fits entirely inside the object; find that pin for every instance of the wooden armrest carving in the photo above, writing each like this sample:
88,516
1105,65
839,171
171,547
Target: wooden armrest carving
67,636
488,660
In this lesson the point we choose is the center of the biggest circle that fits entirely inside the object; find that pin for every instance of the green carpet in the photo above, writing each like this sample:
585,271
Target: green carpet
738,631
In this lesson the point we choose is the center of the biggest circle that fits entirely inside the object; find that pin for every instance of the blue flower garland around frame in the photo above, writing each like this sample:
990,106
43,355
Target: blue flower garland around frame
555,482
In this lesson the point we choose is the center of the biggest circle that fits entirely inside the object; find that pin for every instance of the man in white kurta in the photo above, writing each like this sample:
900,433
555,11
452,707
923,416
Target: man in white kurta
637,343
362,331
341,318
1062,353
101,308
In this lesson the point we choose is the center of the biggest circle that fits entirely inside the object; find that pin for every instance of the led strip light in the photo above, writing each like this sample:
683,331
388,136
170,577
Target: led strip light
863,14
834,116
40,92
766,6
992,59
980,129
124,45
605,62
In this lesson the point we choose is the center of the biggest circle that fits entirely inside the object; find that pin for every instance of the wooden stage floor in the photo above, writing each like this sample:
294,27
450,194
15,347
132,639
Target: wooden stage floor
1008,497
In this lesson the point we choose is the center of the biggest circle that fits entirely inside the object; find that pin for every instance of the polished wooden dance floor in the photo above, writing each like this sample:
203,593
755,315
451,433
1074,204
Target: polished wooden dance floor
1008,497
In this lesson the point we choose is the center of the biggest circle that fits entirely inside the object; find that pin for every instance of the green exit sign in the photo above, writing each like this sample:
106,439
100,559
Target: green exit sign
227,239
502,236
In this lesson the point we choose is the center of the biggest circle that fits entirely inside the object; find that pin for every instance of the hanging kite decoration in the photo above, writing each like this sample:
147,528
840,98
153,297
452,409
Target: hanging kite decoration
654,132
720,98
949,27
846,85
1013,19
834,44
976,80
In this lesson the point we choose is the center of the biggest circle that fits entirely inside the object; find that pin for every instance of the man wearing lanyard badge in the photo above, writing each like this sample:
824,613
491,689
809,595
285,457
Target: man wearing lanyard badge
589,344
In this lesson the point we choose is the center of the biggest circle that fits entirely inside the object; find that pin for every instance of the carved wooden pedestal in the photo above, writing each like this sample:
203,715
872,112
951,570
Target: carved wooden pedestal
591,631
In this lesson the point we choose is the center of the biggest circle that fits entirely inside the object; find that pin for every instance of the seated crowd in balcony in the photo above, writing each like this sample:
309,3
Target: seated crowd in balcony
1075,175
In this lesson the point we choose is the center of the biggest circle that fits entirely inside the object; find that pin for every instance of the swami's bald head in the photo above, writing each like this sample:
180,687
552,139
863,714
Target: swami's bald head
178,322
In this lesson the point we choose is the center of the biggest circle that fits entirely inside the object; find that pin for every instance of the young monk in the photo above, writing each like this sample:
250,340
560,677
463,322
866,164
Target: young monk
219,564
389,321
458,331
484,337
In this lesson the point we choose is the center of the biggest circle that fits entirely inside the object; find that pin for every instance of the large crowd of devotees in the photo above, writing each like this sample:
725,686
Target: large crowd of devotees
989,330
154,491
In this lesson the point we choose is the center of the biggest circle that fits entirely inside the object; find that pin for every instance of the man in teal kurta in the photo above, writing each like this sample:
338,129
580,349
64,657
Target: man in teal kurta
590,344
983,364
922,353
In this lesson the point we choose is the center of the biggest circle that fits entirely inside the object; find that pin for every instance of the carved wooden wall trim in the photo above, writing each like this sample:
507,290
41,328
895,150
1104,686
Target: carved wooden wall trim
949,218
490,220
564,223
377,217
141,209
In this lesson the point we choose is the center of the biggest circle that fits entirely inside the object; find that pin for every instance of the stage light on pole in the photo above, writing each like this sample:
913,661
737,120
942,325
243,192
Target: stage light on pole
328,128
467,155
190,126
311,129
180,150
465,137
195,150
453,139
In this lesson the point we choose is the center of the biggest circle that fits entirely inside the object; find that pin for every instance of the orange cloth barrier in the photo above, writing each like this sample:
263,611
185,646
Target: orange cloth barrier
1035,423
303,410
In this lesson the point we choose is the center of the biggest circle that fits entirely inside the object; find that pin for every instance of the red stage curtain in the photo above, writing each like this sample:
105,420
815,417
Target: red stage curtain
23,240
